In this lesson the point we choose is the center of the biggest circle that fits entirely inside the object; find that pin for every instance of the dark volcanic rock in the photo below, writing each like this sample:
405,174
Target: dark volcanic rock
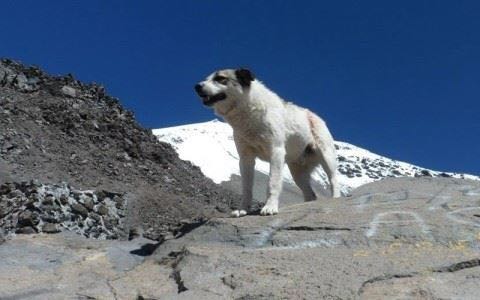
27,218
26,230
58,129
79,209
56,207
50,228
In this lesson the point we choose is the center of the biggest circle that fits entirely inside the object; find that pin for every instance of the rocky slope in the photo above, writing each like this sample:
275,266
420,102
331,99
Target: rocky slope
58,131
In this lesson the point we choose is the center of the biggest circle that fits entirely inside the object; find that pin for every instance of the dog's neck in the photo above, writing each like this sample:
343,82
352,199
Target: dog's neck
225,109
250,105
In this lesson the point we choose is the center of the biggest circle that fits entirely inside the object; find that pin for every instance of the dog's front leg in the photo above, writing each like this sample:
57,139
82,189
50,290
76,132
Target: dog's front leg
277,161
247,172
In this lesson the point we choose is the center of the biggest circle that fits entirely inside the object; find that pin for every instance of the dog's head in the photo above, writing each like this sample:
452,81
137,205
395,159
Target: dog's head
224,85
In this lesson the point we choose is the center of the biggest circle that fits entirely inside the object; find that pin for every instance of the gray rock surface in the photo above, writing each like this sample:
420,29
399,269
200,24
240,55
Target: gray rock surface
394,239
416,238
69,266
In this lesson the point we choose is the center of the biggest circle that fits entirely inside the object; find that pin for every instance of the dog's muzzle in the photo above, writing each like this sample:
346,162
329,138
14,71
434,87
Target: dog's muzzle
207,99
211,100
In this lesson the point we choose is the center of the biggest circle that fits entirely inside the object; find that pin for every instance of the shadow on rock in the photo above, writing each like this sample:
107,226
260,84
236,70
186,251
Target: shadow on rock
146,249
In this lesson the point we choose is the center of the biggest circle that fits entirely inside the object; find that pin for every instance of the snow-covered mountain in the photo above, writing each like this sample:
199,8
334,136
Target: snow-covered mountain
210,146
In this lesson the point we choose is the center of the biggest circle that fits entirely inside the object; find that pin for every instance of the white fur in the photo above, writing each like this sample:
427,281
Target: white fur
276,131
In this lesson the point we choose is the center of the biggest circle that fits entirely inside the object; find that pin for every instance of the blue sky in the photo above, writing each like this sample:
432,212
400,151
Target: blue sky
400,78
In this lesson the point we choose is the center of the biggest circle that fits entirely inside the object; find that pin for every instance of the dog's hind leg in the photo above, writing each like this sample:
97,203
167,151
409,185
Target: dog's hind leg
277,161
326,150
247,172
301,175
329,164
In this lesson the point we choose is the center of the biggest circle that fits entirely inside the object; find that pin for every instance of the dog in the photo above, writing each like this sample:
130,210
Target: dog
267,127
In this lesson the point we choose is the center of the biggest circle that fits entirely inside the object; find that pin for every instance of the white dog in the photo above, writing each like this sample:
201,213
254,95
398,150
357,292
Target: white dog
267,127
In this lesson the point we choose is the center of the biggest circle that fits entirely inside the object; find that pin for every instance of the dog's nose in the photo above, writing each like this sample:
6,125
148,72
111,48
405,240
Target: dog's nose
198,88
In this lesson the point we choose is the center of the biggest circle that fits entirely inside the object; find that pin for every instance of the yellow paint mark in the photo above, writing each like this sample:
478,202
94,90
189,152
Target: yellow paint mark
392,248
460,245
360,253
424,245
95,256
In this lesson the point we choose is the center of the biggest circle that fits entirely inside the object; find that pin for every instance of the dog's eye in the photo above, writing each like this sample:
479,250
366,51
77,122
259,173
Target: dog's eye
220,79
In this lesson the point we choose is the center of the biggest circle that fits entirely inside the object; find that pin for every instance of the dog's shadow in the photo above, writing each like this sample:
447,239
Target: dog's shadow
146,249
255,212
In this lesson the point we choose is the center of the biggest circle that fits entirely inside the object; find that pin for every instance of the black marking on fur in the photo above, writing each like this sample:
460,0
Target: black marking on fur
244,77
220,79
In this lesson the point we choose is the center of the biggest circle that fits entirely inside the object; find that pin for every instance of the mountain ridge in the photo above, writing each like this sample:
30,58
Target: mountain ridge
218,159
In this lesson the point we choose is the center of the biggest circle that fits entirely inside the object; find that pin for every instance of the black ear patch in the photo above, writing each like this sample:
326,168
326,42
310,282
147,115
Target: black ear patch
244,77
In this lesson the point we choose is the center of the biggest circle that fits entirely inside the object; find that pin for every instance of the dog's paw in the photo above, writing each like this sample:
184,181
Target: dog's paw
238,213
269,210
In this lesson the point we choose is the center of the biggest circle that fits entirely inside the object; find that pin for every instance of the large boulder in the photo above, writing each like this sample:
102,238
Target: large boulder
404,238
393,239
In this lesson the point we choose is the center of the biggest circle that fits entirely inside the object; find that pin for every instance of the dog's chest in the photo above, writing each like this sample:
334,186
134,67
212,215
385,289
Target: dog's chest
255,138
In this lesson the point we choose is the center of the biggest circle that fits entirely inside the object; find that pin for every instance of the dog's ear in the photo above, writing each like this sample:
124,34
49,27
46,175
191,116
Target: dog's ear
244,77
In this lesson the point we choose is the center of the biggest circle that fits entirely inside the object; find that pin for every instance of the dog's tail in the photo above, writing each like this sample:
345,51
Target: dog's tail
323,140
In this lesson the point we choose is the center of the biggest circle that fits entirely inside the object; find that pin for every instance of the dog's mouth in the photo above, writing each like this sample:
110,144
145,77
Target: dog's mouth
211,100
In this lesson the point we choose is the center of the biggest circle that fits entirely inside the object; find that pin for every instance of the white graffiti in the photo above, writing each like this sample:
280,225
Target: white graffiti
465,187
453,215
472,193
469,190
380,219
392,220
266,234
364,200
438,201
